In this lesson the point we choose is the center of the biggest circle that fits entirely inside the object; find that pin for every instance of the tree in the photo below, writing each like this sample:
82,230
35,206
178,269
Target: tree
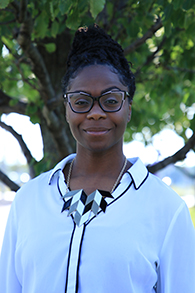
157,37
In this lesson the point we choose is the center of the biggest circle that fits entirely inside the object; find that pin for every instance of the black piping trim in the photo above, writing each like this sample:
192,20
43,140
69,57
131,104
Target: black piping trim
78,264
112,201
62,196
59,189
69,253
53,175
141,182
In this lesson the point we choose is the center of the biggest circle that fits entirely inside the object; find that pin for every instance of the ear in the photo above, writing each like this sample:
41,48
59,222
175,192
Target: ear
129,112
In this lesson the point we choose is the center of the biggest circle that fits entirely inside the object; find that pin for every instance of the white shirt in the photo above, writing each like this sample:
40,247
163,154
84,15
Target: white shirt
143,243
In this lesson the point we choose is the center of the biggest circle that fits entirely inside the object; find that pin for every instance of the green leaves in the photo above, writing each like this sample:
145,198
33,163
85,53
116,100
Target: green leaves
177,4
41,24
73,20
50,47
165,79
96,7
54,28
52,16
65,6
4,3
187,4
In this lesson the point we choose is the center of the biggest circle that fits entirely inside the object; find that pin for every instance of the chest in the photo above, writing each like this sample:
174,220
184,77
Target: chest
119,243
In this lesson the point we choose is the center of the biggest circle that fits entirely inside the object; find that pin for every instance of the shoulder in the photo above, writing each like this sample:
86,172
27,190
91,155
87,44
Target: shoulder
41,183
31,190
158,204
151,188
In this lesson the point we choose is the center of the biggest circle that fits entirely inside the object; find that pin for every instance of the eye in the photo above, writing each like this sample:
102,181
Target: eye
81,102
111,101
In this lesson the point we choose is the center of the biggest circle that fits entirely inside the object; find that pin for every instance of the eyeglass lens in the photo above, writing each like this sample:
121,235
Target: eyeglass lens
110,102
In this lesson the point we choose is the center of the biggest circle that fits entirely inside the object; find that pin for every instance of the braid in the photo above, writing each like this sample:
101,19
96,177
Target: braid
93,46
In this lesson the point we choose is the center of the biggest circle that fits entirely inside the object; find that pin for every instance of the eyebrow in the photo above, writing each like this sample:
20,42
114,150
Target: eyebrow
109,89
102,92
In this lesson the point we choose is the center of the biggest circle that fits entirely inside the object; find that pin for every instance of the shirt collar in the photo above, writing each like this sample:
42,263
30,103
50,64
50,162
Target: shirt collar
138,172
59,167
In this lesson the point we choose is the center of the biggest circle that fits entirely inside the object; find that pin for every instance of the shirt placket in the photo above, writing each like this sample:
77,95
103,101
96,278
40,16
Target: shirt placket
74,258
72,276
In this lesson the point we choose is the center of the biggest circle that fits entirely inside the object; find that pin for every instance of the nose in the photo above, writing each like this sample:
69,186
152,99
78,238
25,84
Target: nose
96,112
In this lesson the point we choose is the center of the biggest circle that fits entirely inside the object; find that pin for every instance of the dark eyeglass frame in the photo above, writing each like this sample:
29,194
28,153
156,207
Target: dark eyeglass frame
125,94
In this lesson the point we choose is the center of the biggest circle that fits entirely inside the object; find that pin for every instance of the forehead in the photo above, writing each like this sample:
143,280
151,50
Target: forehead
94,79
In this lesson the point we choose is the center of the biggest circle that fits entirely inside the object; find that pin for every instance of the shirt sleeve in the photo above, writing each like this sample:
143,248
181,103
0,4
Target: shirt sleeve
9,282
177,258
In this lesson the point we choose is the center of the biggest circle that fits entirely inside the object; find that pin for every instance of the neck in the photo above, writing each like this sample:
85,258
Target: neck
96,170
94,163
106,180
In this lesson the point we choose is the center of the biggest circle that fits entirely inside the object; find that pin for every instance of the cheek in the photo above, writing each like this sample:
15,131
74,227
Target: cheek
67,119
121,124
71,117
127,113
74,120
66,112
72,126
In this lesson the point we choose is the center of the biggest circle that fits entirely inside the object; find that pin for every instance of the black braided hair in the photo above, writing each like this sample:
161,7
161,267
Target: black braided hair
91,45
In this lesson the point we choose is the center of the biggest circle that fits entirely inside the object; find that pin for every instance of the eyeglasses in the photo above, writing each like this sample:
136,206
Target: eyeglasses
81,102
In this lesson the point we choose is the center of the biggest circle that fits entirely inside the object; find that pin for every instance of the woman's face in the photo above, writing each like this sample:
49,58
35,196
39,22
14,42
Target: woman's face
98,131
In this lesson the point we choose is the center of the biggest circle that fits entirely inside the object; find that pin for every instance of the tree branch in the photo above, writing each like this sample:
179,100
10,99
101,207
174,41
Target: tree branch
55,102
7,181
58,128
7,22
18,61
23,11
55,125
178,156
151,57
15,8
16,56
23,146
146,36
19,107
180,69
23,38
26,80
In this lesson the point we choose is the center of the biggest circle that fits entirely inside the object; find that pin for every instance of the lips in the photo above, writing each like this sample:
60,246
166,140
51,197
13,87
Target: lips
97,130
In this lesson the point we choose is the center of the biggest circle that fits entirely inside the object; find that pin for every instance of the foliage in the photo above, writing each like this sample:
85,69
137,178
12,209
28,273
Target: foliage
158,39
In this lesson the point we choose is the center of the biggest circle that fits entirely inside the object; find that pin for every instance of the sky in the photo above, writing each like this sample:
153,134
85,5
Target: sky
164,144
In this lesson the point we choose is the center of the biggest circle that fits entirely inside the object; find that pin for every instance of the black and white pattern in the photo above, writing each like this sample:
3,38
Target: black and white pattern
80,205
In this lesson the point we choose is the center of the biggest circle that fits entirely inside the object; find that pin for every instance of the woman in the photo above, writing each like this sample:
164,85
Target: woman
98,222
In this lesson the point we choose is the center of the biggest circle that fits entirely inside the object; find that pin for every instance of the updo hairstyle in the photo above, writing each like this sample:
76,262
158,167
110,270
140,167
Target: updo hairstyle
91,45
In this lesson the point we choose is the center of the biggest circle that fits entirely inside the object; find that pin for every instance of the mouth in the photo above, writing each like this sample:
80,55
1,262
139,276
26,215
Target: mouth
97,131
